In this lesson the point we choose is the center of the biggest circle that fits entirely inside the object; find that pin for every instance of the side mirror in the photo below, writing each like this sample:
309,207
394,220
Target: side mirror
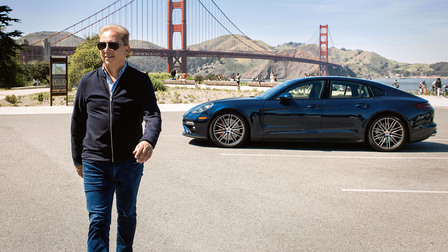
285,98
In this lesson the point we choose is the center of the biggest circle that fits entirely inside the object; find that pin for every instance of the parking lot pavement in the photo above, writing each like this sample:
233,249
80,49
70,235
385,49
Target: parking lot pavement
260,197
69,109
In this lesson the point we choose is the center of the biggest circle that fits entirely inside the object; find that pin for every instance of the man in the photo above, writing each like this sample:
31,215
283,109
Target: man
396,84
238,78
109,146
437,85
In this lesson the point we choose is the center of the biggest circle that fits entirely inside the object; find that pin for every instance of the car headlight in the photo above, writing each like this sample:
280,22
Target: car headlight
202,108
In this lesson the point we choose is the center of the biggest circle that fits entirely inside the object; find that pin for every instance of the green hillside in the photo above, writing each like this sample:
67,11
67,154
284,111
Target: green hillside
355,63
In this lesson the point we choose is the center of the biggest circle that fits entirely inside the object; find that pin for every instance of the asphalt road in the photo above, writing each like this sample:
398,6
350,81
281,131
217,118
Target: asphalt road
262,197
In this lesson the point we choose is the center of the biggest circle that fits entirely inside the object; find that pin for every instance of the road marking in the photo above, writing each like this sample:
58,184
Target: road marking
329,156
393,191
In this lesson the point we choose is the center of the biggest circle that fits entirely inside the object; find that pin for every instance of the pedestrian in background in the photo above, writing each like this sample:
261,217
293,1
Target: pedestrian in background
396,84
238,79
109,145
423,87
437,84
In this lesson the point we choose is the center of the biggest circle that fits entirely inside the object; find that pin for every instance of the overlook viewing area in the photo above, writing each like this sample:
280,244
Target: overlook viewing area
220,84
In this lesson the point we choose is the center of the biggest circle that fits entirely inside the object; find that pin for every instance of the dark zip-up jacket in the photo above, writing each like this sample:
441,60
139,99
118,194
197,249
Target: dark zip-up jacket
107,127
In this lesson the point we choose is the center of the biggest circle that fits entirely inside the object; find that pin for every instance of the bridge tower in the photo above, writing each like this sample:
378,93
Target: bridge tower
323,49
179,60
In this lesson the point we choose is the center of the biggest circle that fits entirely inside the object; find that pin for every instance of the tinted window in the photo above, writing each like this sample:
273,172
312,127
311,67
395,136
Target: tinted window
376,91
307,90
345,89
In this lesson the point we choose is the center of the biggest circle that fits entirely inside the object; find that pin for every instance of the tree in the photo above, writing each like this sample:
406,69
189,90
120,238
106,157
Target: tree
35,70
9,50
85,59
440,69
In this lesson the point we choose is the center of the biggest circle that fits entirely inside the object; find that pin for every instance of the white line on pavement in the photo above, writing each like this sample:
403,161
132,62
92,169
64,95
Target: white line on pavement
393,191
332,156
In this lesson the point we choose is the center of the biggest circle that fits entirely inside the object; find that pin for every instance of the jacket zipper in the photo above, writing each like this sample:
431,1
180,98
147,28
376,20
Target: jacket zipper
110,126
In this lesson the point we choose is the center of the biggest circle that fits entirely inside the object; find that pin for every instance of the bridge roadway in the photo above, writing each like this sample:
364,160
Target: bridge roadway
261,197
66,50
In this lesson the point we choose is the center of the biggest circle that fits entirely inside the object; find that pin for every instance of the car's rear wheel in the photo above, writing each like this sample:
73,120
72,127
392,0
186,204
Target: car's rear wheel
228,130
387,133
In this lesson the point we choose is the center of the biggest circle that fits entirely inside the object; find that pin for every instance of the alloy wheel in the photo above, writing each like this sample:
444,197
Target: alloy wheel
387,134
228,130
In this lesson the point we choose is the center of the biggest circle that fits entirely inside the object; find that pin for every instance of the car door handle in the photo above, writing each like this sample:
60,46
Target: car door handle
312,106
362,105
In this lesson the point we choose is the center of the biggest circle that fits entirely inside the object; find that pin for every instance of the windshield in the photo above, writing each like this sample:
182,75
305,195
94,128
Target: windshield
268,93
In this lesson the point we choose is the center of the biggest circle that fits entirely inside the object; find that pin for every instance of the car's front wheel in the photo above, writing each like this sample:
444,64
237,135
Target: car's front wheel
387,133
228,130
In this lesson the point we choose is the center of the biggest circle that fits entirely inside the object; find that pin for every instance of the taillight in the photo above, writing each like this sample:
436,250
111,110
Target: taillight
423,105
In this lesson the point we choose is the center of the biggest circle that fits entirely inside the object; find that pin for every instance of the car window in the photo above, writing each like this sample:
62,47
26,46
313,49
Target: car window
376,91
345,89
307,90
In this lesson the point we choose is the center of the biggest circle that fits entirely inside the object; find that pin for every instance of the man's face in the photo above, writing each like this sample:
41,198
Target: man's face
113,58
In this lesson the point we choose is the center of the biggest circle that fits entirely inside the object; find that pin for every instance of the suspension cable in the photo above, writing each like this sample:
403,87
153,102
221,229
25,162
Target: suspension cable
226,27
86,27
72,26
312,37
331,38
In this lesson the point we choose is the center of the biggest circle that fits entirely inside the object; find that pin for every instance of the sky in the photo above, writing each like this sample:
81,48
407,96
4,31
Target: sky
409,31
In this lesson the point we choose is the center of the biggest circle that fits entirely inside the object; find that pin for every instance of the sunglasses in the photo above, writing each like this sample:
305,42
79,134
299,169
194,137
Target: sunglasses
112,45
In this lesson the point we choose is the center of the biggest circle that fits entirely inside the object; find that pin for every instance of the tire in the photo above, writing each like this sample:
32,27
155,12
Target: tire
387,133
228,130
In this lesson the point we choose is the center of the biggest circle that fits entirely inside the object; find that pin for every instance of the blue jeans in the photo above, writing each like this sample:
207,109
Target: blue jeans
101,180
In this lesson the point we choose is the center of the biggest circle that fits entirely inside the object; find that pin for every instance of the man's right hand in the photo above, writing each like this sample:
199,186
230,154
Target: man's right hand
79,170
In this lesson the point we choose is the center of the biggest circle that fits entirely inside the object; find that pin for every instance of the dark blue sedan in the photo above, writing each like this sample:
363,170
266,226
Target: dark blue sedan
316,109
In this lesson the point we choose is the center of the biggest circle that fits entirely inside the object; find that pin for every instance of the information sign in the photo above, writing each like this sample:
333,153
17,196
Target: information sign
58,78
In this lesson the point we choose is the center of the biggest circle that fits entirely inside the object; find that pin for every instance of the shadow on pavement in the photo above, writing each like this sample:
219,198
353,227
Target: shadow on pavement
427,146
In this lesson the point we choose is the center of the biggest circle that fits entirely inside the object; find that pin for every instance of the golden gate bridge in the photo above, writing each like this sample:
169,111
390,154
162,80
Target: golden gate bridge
145,19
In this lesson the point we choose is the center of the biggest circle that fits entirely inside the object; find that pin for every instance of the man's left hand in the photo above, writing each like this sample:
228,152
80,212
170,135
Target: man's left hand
143,151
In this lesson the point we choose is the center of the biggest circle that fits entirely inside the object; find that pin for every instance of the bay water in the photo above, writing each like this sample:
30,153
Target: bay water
411,84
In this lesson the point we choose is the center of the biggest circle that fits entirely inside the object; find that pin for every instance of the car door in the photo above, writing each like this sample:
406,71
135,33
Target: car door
347,109
295,113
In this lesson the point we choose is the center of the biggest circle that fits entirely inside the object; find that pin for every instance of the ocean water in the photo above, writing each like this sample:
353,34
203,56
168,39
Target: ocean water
406,84
411,84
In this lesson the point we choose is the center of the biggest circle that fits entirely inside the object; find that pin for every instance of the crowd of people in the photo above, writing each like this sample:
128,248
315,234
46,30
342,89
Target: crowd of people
177,75
436,87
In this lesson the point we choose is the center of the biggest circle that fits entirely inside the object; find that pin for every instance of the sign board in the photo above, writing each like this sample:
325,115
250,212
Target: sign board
58,78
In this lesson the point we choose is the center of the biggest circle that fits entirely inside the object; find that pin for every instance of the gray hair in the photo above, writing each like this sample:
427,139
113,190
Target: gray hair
124,33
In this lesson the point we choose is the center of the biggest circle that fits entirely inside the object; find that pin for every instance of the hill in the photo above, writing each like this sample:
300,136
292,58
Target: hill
37,36
356,63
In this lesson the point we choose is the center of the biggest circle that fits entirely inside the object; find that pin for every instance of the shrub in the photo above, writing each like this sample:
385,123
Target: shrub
12,99
157,80
158,85
42,96
199,78
211,76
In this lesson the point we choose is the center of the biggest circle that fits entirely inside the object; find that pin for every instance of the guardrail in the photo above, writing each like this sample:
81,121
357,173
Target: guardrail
180,82
223,84
262,84
220,83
